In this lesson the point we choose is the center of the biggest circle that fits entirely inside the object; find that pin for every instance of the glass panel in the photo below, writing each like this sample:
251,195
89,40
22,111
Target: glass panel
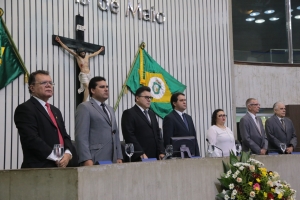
295,4
259,31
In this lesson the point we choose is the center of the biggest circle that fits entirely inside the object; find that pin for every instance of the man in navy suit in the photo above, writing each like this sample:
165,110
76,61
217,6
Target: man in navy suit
280,130
252,130
178,123
40,125
140,127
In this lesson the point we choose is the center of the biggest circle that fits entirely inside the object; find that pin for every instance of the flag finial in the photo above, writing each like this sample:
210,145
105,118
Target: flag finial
143,45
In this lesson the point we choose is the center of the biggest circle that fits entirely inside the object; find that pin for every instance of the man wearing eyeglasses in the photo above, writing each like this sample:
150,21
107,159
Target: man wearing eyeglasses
280,130
178,123
252,130
96,130
140,127
41,125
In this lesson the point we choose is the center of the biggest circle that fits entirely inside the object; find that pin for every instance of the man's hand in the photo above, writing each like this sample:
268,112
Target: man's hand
161,156
263,152
119,160
289,149
64,161
88,163
144,156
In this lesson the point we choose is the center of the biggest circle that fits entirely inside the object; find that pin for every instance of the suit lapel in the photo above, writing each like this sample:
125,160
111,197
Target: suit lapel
179,118
41,109
142,115
279,123
254,123
97,107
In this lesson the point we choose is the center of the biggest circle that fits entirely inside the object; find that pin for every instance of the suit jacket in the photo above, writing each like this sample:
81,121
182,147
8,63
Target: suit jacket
276,133
251,138
38,134
144,136
97,138
174,126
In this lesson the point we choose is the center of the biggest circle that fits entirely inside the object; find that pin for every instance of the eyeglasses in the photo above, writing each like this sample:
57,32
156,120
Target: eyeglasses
256,104
103,86
222,116
147,97
44,83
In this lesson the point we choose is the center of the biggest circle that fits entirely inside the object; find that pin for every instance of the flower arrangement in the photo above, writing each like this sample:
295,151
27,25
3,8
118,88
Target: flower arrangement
247,179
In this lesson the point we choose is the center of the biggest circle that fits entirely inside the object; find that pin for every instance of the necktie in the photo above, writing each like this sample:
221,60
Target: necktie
257,124
185,121
61,140
283,124
147,116
105,111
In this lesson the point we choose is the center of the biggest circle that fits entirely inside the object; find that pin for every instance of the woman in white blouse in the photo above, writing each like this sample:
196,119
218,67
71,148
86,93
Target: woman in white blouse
219,135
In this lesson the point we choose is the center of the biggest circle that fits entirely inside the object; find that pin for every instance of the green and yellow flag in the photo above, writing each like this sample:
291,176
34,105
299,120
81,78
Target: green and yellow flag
11,64
146,71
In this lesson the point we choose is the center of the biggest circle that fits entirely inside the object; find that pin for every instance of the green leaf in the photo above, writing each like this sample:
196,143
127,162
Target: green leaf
226,167
245,156
233,158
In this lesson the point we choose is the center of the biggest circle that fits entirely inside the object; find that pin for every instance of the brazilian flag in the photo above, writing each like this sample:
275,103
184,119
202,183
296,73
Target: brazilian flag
147,72
11,64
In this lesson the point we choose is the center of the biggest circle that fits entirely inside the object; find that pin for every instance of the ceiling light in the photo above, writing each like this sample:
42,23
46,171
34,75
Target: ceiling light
259,21
274,19
297,17
254,14
250,19
269,11
298,8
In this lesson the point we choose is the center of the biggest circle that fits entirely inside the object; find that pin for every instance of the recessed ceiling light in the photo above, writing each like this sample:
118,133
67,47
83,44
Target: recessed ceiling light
298,8
274,19
250,19
254,14
269,11
259,21
297,17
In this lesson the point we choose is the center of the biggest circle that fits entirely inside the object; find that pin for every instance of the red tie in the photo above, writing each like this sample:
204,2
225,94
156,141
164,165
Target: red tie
61,141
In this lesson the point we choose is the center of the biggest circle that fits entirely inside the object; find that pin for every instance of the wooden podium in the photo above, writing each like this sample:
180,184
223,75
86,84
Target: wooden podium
293,112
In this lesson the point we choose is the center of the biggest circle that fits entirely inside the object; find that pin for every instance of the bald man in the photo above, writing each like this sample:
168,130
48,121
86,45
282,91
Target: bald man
280,130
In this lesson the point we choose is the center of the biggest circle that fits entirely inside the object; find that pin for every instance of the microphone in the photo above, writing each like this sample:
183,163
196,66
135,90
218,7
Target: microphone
214,146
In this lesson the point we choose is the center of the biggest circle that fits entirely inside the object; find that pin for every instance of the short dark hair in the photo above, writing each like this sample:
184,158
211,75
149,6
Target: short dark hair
214,116
93,83
174,98
31,79
80,50
141,90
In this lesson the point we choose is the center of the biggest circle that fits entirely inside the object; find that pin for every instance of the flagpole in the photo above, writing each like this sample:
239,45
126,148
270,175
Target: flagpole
142,46
14,47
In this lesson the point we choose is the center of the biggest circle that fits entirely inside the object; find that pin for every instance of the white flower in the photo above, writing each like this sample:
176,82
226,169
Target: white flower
239,180
224,191
270,183
252,168
226,197
232,196
237,172
231,186
241,168
234,192
252,194
250,198
227,176
229,172
234,176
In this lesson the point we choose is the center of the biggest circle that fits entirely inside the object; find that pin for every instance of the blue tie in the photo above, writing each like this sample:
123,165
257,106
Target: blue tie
184,120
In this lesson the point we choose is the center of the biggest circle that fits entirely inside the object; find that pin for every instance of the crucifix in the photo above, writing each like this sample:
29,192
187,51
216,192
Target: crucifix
82,59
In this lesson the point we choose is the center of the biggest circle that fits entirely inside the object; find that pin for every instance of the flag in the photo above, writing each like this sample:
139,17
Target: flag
147,72
11,65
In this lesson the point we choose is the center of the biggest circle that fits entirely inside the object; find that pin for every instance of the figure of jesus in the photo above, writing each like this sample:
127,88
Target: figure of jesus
83,64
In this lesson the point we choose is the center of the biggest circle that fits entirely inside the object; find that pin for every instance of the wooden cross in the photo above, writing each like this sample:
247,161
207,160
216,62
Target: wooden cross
76,44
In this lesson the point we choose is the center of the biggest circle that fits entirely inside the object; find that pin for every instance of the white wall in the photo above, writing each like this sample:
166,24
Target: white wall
268,84
192,45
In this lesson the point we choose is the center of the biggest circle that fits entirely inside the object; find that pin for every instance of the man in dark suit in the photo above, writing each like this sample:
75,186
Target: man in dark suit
280,130
96,130
252,130
140,127
178,123
40,125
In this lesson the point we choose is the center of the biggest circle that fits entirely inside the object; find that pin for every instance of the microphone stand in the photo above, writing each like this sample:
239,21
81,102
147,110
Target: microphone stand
214,146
